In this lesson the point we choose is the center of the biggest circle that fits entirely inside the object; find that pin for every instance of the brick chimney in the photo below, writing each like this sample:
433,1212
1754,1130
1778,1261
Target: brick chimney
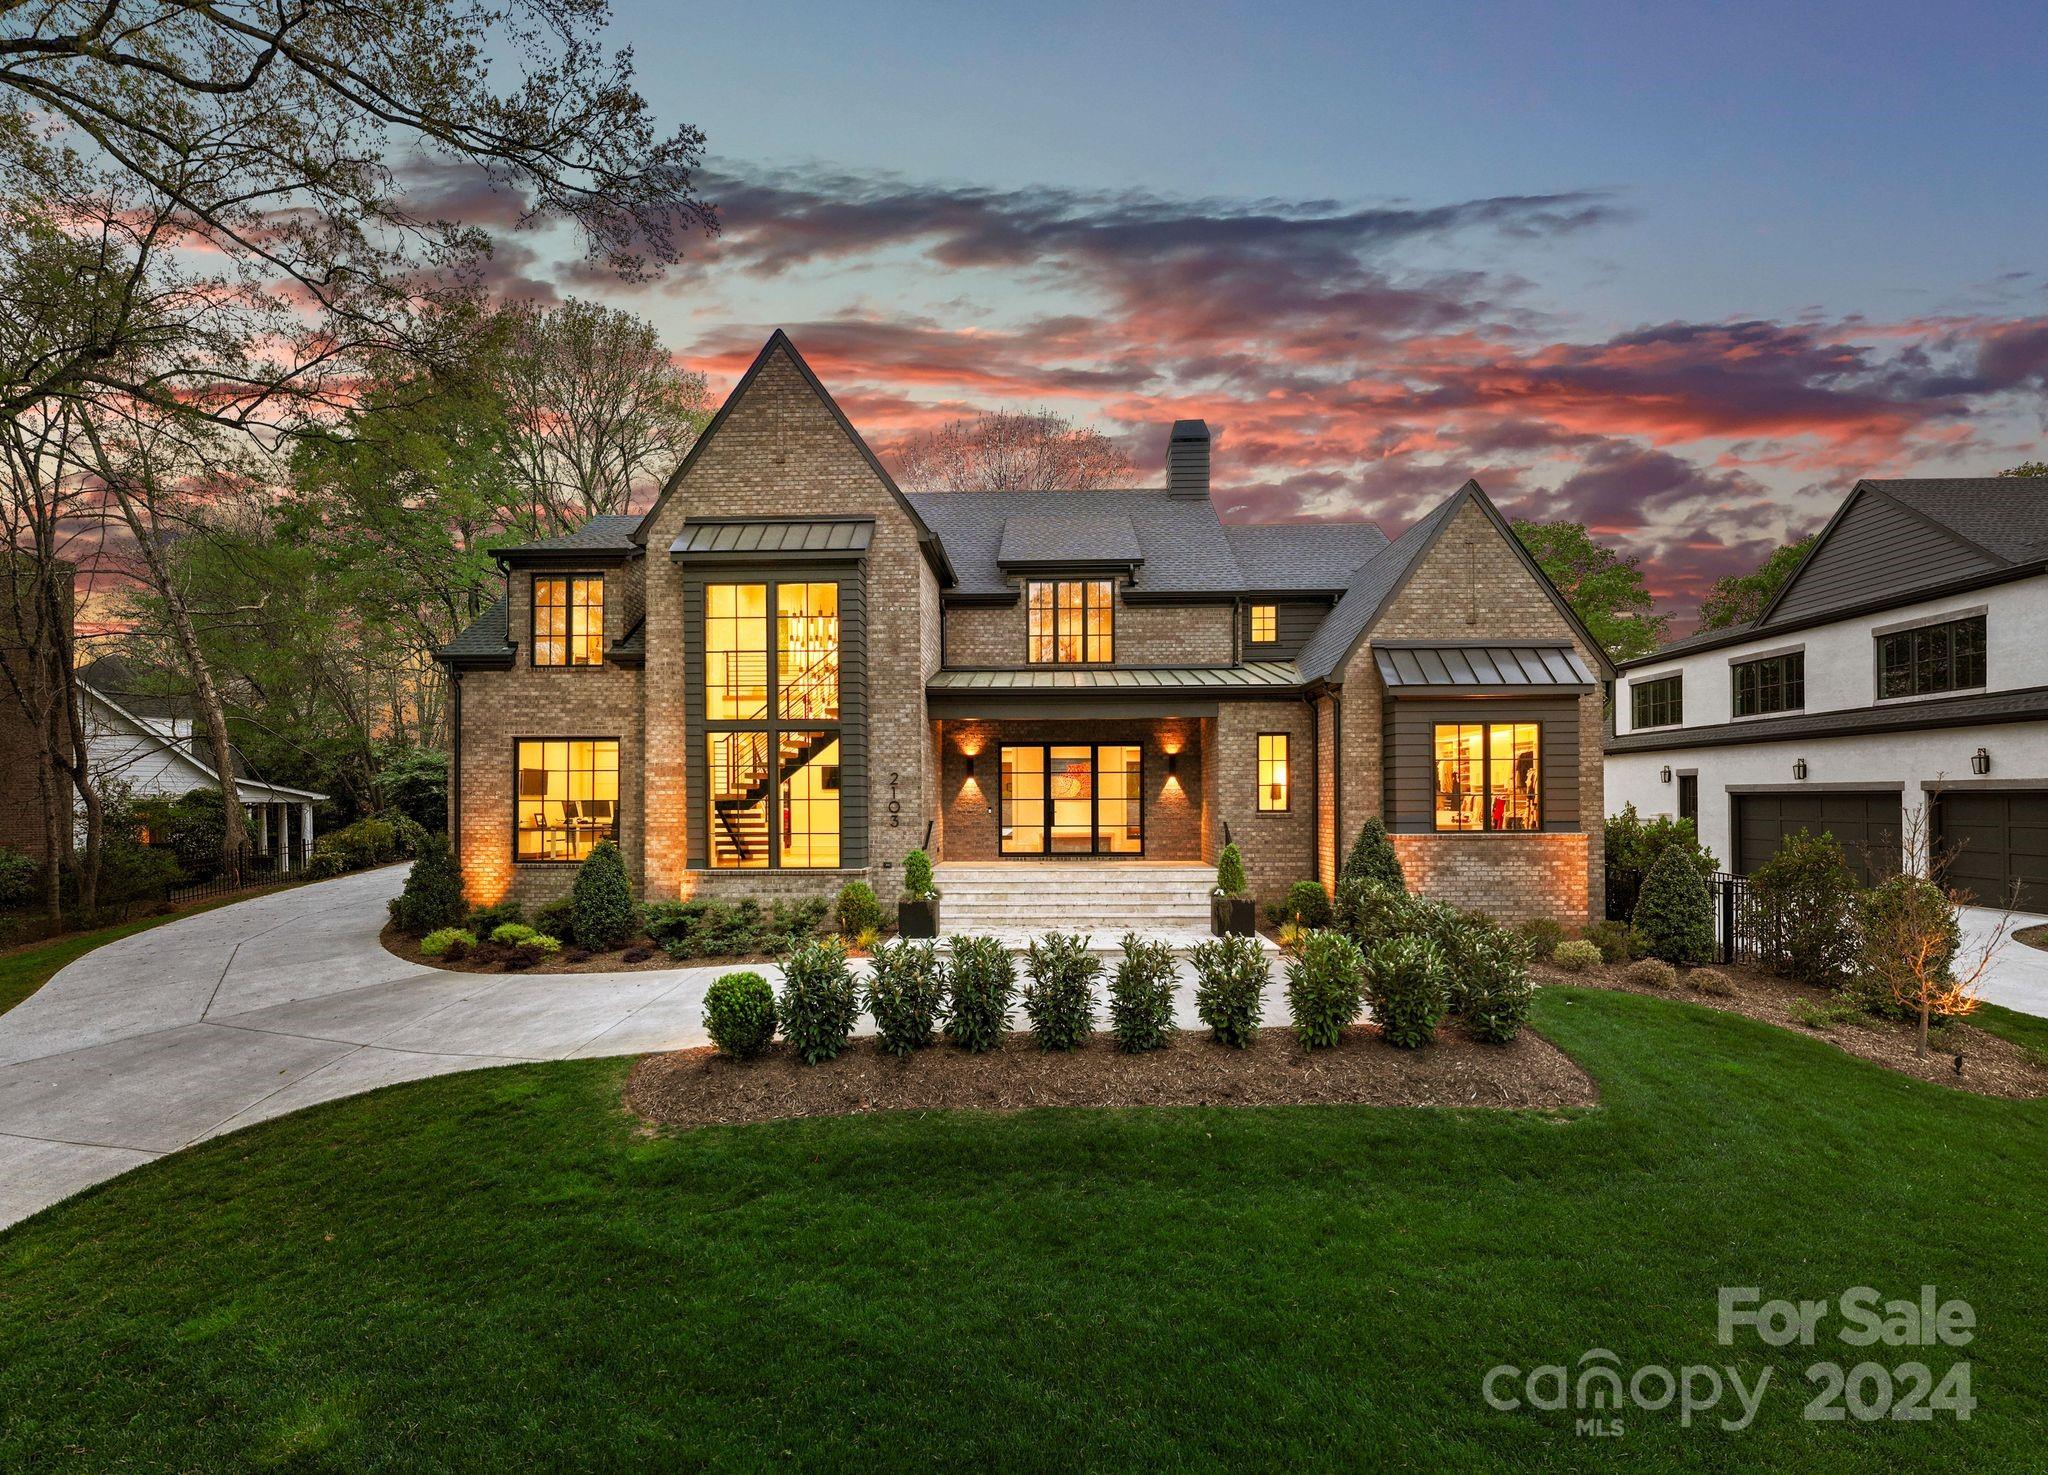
1187,459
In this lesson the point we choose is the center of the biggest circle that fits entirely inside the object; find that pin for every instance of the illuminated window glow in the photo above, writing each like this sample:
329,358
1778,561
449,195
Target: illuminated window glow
1070,623
1265,624
1489,776
1273,782
568,621
568,797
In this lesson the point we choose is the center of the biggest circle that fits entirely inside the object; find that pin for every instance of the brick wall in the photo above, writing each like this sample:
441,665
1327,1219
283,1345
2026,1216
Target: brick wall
1146,634
1511,878
1173,817
1278,846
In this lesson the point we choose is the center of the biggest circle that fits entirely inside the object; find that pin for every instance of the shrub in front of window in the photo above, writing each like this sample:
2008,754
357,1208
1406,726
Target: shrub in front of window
1373,857
1495,990
1325,988
917,876
452,943
1230,872
1673,910
1575,955
1308,904
981,979
858,910
739,1014
558,919
602,899
1809,893
1619,942
1060,998
1405,984
1230,981
483,921
820,1001
432,897
904,993
1369,911
1141,996
1651,973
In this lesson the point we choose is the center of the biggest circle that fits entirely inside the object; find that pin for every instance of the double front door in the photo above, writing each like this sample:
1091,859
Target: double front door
1073,799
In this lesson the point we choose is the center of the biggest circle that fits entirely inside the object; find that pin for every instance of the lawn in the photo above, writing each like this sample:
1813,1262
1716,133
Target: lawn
501,1270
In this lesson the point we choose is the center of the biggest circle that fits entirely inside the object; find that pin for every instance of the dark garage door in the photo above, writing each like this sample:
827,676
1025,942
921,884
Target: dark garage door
1990,841
1866,824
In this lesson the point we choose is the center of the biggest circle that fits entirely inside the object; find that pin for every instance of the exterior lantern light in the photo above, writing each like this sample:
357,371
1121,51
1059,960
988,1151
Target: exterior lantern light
1799,768
970,766
1980,761
1665,775
1173,765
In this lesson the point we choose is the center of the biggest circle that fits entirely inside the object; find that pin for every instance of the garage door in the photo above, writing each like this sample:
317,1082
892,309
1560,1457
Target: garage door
1866,824
1990,842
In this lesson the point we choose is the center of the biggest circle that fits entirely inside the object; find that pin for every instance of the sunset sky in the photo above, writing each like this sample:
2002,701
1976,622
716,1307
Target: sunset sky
1683,278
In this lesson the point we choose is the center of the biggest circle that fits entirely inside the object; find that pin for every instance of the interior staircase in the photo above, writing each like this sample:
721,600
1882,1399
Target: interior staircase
1016,899
739,826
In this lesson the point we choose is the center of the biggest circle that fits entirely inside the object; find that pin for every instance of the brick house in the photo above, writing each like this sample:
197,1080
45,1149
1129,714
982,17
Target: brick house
789,673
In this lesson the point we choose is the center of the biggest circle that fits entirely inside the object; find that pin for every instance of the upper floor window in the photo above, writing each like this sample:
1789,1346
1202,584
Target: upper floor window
1932,658
1772,684
1489,776
1265,624
1071,622
1658,703
568,620
1273,788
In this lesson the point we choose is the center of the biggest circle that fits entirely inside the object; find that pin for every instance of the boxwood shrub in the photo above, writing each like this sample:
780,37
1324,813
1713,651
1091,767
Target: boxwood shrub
739,1014
981,980
1404,981
1060,998
1495,990
1230,982
1325,987
432,897
820,1000
1575,955
858,910
1674,911
602,900
1141,995
904,993
1308,904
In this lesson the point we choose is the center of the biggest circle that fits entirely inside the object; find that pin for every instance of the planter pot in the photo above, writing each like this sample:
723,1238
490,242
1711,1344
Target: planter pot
918,918
1233,916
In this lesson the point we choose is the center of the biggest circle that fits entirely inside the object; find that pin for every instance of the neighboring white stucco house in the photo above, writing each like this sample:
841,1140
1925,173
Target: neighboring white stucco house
1895,693
147,743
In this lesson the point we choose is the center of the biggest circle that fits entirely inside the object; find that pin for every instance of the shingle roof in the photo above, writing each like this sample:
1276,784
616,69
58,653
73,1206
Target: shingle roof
1306,556
605,533
489,637
118,679
1180,538
1373,585
1076,538
2006,516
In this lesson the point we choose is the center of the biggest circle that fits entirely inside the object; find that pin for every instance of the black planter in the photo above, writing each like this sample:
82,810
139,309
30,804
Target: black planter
918,918
1233,916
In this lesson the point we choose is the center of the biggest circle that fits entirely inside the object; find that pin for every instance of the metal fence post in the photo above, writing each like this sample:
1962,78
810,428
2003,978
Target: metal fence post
1727,885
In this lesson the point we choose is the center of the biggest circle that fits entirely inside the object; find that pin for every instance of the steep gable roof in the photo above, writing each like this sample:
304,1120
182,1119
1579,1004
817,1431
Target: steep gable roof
605,533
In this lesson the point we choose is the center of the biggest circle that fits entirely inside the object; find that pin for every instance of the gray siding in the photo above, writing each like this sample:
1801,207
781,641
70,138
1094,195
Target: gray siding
1410,756
1878,548
1296,621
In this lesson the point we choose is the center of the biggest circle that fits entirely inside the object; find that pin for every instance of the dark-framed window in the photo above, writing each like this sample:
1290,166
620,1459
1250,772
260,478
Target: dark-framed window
1770,684
1657,703
1931,658
568,619
1070,622
1265,624
1275,789
1488,775
565,797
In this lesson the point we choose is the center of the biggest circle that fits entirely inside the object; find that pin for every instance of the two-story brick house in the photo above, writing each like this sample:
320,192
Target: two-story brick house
789,673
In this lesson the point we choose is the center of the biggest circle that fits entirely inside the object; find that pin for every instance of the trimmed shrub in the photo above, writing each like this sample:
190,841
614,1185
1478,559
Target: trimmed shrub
21,878
917,876
1060,998
1405,984
1635,843
1325,988
1651,973
1808,892
452,943
1900,919
511,934
1373,857
1230,980
739,1014
557,918
1710,981
1308,904
603,899
483,921
1575,955
1141,996
858,910
1369,911
904,993
1619,942
432,897
540,942
1541,934
1495,991
820,1001
1674,912
1230,872
981,979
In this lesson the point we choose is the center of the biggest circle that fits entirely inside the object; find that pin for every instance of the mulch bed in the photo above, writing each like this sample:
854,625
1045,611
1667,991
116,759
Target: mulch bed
488,957
2035,936
695,1088
1991,1065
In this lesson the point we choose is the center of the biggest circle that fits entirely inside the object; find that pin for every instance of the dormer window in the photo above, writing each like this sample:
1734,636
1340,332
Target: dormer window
568,620
1070,622
1265,624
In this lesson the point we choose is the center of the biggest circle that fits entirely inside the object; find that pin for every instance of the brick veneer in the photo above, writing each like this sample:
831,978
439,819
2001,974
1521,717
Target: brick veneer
1173,818
1278,846
1146,634
1509,877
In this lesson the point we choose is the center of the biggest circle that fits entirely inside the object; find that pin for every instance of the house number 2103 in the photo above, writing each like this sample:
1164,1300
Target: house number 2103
895,806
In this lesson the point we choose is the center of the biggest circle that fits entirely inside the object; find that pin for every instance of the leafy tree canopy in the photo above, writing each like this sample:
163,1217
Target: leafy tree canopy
1740,598
1604,589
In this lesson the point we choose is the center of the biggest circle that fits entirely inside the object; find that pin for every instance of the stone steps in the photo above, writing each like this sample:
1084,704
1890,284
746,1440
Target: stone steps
1105,899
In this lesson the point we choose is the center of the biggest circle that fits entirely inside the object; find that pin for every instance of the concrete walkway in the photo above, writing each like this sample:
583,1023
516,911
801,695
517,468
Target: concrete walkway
2019,973
215,1021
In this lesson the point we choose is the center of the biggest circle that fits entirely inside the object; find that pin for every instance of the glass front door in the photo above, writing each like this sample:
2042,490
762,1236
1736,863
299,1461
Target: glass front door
1072,799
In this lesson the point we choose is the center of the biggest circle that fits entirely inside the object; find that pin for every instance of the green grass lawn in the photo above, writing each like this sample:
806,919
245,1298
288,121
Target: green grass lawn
501,1270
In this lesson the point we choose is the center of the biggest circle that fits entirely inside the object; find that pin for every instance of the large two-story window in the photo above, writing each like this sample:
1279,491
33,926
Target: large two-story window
1772,684
771,707
568,619
1070,622
568,797
1931,659
1658,703
1489,775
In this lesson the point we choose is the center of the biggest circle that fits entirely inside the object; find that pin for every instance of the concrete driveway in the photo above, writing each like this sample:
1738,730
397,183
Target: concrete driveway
2019,974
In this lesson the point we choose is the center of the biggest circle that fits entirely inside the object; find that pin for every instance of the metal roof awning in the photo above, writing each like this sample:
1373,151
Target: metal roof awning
1482,670
1055,691
772,539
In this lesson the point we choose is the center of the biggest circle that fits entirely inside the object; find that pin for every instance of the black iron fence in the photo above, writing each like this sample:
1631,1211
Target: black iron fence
1744,930
257,871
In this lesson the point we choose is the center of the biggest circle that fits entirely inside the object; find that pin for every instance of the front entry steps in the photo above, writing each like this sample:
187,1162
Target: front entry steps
1020,900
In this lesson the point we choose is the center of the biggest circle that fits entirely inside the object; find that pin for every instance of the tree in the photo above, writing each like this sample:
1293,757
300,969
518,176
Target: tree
1674,911
1740,598
1604,589
1911,948
2027,468
1373,858
1008,451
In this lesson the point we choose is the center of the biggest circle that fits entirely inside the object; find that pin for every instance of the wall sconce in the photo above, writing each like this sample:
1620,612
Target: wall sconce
1799,768
970,767
1664,776
1173,765
1980,761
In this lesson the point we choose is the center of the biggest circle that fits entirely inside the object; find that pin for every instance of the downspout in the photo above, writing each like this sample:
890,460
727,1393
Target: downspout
1337,776
455,766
